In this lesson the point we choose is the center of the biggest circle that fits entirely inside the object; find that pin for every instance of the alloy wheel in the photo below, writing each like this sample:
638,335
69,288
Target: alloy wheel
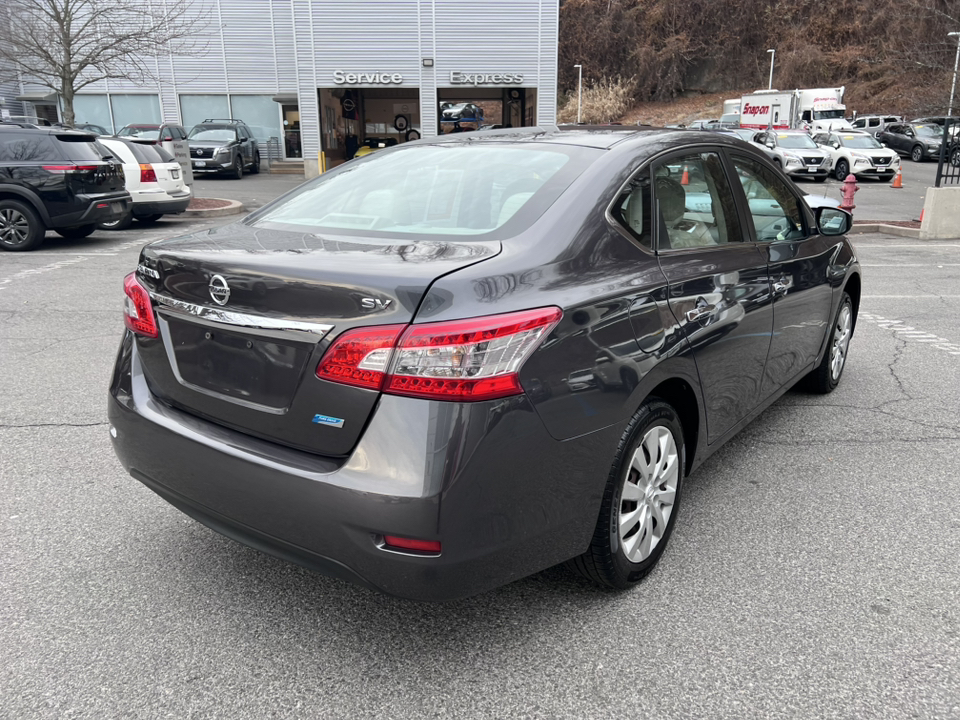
917,154
649,494
841,340
14,227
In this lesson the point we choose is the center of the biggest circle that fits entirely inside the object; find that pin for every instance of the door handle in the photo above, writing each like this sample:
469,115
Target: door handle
780,287
700,312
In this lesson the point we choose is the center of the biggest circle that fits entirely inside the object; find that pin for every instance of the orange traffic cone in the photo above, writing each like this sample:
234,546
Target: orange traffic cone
685,178
921,214
898,180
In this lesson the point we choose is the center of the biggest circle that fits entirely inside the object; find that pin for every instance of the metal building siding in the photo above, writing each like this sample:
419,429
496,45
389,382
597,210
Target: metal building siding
428,76
490,37
550,47
203,70
304,49
282,29
366,36
248,43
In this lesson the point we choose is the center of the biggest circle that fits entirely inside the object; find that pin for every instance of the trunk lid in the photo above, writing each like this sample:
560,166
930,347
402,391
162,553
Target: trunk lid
246,313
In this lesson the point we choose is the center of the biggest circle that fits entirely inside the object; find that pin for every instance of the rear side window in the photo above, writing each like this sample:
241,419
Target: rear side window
434,190
149,153
81,148
632,209
27,147
694,203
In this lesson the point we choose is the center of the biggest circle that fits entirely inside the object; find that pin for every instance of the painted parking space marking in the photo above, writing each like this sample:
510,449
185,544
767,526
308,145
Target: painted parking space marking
909,334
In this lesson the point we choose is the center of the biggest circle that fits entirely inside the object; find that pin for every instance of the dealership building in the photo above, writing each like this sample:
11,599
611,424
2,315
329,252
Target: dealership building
315,79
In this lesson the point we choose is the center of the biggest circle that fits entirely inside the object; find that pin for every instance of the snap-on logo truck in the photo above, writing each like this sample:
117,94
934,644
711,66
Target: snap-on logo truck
811,109
767,109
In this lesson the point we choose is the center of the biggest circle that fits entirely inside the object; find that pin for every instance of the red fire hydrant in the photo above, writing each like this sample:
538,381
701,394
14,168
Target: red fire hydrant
850,188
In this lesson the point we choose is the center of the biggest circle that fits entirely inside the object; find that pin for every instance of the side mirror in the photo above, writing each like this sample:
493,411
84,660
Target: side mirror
833,221
883,144
770,145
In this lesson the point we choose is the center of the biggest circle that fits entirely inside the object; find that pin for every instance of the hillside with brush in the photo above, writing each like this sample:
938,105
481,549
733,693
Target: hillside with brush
892,55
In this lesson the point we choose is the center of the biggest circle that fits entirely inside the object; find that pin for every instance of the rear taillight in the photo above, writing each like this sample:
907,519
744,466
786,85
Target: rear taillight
147,173
137,308
64,169
475,359
360,357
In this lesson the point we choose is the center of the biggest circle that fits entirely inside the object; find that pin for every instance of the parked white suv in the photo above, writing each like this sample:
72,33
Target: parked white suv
795,152
858,153
154,180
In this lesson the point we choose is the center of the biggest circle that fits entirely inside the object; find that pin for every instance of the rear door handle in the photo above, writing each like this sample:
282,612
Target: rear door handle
780,288
700,312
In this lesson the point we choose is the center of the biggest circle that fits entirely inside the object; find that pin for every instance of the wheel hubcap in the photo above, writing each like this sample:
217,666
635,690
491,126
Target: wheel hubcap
649,494
14,227
841,339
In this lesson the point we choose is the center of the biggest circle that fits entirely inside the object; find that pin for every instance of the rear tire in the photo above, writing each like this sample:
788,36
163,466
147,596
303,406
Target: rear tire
826,376
121,223
76,233
640,502
149,219
20,226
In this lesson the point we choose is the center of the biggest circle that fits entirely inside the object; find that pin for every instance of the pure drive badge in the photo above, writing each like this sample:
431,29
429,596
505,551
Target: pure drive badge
327,420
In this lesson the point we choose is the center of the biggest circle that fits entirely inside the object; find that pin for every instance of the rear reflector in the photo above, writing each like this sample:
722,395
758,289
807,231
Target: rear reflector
147,173
399,543
137,309
466,360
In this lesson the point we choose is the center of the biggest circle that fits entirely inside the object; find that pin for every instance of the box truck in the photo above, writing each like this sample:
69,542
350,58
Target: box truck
811,109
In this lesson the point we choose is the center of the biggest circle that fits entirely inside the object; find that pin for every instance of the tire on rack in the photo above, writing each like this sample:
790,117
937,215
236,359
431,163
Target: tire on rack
20,226
841,170
76,233
826,376
640,501
121,223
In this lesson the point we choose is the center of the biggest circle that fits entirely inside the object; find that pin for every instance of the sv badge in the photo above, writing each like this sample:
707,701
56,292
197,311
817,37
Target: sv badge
374,303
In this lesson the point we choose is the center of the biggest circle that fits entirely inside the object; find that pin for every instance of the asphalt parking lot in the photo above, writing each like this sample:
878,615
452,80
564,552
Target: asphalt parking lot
813,573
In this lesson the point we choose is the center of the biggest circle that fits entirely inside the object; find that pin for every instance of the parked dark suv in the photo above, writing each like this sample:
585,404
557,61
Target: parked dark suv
52,179
223,146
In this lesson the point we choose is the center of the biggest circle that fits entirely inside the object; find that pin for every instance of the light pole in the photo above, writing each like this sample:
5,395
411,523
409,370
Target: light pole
579,90
955,62
773,54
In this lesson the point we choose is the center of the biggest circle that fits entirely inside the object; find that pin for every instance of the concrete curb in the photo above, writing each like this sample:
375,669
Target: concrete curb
888,229
234,208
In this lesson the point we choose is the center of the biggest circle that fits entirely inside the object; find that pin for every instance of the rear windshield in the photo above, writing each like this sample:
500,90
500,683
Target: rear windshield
149,153
140,132
453,190
82,147
222,134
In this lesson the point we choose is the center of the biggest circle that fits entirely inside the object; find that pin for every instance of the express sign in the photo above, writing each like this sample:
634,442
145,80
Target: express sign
459,78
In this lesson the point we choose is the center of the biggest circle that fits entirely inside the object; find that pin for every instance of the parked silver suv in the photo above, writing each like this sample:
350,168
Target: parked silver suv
223,146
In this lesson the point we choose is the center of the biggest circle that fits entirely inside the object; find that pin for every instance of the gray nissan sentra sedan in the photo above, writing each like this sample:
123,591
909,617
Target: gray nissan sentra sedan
457,362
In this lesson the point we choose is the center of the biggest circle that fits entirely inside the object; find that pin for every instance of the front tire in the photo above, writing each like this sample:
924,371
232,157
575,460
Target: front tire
255,168
826,376
841,171
20,227
76,233
640,502
820,178
237,172
916,154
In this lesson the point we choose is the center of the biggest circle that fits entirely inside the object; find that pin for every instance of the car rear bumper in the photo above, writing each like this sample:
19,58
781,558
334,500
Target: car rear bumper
96,208
170,206
485,479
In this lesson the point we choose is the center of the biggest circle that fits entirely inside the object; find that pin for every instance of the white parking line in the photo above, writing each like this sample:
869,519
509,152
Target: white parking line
4,282
908,334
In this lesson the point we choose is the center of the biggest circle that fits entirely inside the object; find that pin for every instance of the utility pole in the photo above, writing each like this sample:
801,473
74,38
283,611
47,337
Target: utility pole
580,90
772,57
955,63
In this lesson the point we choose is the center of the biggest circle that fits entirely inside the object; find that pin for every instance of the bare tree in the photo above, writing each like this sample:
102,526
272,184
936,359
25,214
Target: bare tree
69,44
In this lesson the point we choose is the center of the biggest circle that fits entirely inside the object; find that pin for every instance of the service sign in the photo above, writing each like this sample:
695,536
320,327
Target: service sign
366,78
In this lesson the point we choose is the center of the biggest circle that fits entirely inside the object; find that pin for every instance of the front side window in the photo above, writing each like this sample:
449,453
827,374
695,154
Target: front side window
774,209
694,203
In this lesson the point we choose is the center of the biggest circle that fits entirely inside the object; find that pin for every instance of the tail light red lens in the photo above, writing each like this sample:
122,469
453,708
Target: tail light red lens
466,360
137,309
360,357
147,173
64,169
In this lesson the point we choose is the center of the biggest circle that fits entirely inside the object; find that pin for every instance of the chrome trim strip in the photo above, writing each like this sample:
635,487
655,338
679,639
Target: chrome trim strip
228,317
